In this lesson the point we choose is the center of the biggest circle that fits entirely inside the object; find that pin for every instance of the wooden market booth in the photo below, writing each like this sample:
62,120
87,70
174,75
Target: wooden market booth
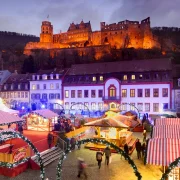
112,130
41,120
164,146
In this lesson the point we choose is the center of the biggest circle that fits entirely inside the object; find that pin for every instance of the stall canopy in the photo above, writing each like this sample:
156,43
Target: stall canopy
166,131
7,118
46,113
107,122
162,151
4,108
167,121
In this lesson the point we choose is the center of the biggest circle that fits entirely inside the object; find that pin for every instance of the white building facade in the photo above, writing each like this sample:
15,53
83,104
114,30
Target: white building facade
46,90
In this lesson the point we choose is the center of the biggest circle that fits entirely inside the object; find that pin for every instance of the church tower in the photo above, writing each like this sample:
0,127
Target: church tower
46,35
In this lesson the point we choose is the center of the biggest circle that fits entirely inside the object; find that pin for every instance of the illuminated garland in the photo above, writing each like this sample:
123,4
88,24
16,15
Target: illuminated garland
170,168
11,165
18,135
95,140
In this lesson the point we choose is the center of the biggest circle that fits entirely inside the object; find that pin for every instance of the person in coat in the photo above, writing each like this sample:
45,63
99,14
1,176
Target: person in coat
107,153
49,139
99,156
138,149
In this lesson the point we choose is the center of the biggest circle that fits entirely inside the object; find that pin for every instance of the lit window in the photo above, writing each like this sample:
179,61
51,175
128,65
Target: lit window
124,92
132,106
101,78
44,77
33,86
155,92
133,77
57,76
94,78
66,94
51,86
100,106
79,93
132,92
112,91
147,92
125,77
140,76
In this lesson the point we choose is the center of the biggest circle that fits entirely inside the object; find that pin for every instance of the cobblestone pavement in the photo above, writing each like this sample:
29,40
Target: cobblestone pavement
119,169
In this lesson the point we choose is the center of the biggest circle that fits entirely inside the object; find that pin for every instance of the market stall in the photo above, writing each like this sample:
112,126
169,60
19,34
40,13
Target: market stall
111,130
41,120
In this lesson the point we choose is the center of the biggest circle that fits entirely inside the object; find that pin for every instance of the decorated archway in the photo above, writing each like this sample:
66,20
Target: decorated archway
95,140
132,107
20,136
170,168
80,104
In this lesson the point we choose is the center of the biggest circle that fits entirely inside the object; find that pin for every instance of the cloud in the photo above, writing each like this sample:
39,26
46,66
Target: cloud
162,12
23,17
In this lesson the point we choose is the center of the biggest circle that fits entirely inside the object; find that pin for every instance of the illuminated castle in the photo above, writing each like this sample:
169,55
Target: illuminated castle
124,34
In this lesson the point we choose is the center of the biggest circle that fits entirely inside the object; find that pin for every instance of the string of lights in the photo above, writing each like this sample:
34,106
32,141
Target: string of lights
101,141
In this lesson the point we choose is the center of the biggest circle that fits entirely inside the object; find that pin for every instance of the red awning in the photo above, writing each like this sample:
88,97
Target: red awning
167,121
166,131
163,151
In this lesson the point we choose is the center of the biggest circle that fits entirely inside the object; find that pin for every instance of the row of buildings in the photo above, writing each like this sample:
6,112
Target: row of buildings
149,86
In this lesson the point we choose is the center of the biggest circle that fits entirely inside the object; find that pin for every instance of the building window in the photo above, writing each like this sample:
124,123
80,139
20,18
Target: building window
57,76
132,92
155,92
19,95
57,85
5,87
79,93
66,105
155,107
165,92
51,86
86,93
100,106
140,106
66,94
140,76
124,92
132,107
44,86
133,77
94,78
33,86
73,106
8,95
51,96
86,105
22,94
19,86
15,95
147,92
26,95
123,107
33,96
112,91
44,96
38,86
156,76
100,93
57,96
11,95
178,82
72,93
93,93
93,106
44,77
165,106
125,77
140,93
101,78
26,86
12,86
147,107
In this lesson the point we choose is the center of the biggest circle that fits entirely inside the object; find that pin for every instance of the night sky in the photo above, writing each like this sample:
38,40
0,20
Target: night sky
25,16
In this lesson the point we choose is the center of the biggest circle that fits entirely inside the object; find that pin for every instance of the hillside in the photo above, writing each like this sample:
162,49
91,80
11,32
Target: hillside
13,40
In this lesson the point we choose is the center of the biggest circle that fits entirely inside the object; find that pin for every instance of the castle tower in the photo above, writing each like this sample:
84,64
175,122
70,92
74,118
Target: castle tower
46,35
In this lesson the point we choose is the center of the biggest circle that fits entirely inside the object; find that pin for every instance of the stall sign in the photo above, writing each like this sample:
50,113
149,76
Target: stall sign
20,154
174,174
